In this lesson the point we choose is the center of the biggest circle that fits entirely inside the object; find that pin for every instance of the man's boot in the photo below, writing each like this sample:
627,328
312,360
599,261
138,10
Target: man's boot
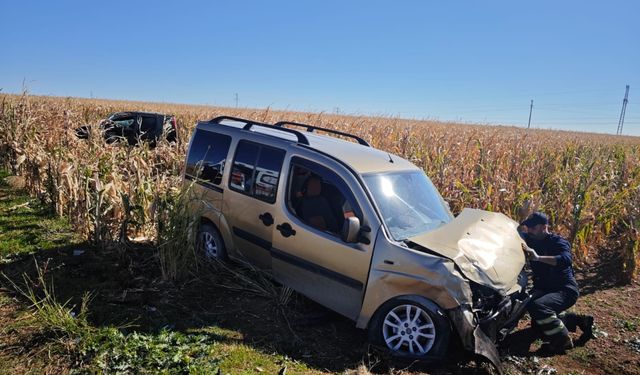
535,328
585,323
558,344
570,320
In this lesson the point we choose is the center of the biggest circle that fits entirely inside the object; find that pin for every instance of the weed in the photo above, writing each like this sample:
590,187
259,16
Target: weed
166,352
53,316
177,231
582,354
108,349
629,325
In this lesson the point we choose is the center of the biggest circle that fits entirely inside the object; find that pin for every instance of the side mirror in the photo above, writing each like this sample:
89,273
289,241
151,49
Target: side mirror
351,229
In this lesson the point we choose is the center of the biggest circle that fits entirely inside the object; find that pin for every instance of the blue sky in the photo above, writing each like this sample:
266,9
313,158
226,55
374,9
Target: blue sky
467,61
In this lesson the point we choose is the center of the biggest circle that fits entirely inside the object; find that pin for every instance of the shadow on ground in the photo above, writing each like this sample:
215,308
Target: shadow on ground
127,287
601,273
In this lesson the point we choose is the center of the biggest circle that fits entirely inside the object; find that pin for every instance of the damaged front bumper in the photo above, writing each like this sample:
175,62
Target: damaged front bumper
480,330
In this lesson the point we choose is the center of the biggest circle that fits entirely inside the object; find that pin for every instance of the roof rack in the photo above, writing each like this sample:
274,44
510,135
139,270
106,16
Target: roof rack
250,123
311,128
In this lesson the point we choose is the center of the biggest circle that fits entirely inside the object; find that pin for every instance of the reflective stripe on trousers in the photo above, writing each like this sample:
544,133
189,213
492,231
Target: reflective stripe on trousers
551,325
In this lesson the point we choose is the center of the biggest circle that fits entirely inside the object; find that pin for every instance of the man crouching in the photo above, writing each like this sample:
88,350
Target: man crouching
554,286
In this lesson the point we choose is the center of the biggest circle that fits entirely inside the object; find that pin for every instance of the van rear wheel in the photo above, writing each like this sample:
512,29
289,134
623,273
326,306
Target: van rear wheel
210,244
410,329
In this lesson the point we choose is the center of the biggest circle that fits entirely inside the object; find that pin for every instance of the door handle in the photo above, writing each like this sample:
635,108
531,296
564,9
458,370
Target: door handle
266,218
286,230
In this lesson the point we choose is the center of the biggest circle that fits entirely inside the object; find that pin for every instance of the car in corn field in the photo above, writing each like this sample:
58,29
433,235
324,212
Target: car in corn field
135,127
360,231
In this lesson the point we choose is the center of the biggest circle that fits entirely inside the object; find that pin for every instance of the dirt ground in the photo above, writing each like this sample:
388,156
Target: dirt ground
615,350
127,288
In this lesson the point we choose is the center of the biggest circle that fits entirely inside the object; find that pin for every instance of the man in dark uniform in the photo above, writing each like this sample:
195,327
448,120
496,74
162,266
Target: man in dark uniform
554,286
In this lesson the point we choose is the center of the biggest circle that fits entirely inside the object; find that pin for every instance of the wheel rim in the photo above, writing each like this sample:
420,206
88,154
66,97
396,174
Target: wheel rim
209,245
408,329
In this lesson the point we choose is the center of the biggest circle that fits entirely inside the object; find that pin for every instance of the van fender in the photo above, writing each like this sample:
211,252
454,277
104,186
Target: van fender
424,301
397,272
218,221
225,231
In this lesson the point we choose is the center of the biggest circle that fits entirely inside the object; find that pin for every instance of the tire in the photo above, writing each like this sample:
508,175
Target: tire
172,135
411,328
83,132
210,244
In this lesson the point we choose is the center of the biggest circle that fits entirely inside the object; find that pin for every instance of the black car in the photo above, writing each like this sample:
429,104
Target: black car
135,127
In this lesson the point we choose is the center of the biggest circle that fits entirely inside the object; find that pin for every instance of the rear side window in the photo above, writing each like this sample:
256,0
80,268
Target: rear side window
148,124
123,121
256,170
207,156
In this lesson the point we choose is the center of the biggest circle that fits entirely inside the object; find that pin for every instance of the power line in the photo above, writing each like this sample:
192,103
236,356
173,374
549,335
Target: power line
581,106
585,111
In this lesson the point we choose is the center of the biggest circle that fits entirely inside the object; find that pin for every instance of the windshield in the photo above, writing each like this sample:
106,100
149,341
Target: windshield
408,202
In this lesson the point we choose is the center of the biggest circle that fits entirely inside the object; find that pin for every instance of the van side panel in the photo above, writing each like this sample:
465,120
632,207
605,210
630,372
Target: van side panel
397,271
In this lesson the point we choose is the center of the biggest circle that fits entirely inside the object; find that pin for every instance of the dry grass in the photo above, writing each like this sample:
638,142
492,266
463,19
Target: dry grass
588,183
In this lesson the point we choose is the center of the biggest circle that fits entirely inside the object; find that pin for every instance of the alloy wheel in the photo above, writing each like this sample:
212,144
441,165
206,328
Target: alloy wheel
408,329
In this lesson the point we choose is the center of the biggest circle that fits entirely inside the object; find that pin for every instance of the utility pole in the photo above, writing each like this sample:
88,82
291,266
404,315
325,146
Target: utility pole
236,100
622,112
530,110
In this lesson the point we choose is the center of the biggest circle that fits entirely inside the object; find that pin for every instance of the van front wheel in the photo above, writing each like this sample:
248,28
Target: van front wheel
412,330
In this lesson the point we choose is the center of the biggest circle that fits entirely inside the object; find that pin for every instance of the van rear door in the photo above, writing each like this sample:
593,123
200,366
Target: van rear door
249,203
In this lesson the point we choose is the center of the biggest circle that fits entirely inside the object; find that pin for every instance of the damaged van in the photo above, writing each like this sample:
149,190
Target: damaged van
360,231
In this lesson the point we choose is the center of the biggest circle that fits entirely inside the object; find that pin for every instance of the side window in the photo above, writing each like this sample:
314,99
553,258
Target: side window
319,197
268,174
207,156
148,124
256,170
123,122
243,167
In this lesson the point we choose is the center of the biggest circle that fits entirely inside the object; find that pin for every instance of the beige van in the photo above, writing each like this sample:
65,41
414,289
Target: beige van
361,231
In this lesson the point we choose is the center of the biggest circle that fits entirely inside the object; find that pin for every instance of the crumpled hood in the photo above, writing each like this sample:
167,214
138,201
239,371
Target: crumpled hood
485,245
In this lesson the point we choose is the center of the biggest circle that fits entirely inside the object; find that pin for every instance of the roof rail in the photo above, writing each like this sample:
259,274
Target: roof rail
311,128
250,123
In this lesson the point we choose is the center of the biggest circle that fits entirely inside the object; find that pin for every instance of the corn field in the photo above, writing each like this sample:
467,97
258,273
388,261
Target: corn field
589,184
